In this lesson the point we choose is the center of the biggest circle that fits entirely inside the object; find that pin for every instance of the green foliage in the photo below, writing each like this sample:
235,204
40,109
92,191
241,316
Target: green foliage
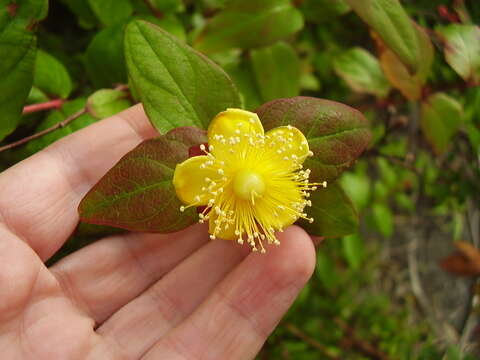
249,23
277,71
16,69
107,102
441,118
391,22
462,49
362,72
169,82
104,58
51,76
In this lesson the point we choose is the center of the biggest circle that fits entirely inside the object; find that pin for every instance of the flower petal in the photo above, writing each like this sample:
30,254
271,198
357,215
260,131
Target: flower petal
231,124
225,234
289,143
189,179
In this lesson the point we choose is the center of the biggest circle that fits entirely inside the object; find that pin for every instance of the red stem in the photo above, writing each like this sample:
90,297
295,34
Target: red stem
52,104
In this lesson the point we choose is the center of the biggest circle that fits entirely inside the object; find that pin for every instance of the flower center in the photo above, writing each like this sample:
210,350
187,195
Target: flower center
248,184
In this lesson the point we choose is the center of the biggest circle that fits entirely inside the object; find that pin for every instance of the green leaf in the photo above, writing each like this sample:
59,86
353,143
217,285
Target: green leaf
242,75
337,134
441,117
104,58
353,250
399,75
318,11
137,193
247,24
107,102
462,49
277,71
51,76
357,187
390,21
16,68
67,109
111,12
383,219
362,72
178,86
333,212
326,272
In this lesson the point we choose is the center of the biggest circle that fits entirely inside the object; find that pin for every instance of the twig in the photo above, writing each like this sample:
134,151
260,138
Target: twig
48,105
351,340
59,125
157,13
312,342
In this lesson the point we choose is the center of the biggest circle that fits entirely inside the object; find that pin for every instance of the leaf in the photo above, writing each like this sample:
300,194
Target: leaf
242,75
337,134
137,194
441,117
333,212
409,83
318,11
111,12
16,69
177,85
107,102
353,250
51,76
357,187
104,58
462,50
464,262
390,21
362,72
248,24
383,218
277,71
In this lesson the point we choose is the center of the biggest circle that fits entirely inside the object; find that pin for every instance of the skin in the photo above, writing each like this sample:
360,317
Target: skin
133,296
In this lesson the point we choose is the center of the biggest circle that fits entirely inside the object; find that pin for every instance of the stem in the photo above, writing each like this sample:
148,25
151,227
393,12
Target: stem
312,342
52,104
59,125
157,13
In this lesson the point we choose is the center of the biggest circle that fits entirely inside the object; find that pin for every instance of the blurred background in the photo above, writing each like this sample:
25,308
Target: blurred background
405,286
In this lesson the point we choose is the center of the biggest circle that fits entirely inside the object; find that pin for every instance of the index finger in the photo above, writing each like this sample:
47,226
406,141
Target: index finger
40,195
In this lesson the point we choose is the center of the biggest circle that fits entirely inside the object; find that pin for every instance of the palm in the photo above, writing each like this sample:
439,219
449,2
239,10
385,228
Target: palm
132,296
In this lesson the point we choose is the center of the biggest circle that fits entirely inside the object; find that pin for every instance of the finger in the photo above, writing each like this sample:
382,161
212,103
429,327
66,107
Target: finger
106,275
141,323
235,320
40,194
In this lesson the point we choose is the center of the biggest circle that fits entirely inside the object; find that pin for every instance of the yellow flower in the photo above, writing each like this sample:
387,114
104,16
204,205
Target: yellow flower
252,183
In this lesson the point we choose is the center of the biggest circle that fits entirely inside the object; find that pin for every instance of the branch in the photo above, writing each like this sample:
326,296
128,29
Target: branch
350,339
312,342
59,125
157,13
48,105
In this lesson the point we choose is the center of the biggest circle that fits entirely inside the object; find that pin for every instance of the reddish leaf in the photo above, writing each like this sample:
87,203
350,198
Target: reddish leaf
137,193
337,134
464,262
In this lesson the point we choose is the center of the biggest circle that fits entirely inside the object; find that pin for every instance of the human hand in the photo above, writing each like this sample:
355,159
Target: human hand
132,296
